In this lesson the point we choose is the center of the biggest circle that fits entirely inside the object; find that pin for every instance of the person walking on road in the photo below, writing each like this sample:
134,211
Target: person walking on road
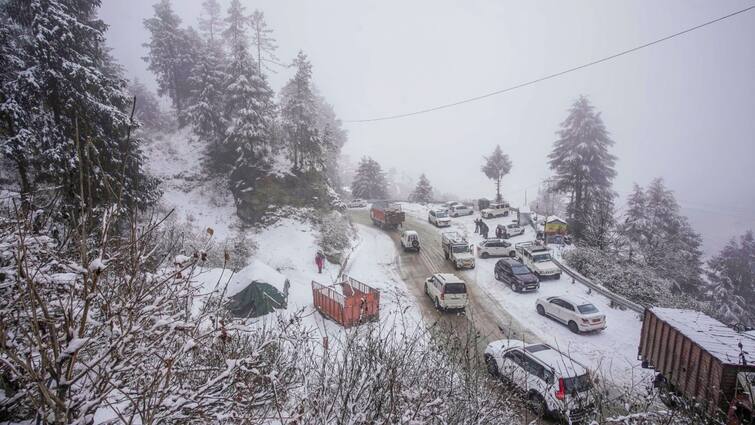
320,261
499,232
477,222
484,229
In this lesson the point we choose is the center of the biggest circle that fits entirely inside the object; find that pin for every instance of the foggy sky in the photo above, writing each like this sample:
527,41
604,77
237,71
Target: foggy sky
682,110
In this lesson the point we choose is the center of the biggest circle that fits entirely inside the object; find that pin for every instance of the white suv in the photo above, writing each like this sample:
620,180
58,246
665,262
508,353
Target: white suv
495,248
439,218
579,314
410,240
554,383
459,210
447,291
496,209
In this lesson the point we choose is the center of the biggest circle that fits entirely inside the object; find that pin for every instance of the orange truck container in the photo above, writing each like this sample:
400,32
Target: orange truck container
348,302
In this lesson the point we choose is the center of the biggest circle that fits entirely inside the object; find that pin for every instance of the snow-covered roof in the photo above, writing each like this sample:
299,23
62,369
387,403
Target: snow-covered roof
552,218
713,336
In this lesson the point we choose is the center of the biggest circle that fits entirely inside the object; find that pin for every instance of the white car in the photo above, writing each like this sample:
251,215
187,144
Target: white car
357,203
495,248
459,210
554,384
446,291
537,258
439,218
496,209
579,314
410,240
509,230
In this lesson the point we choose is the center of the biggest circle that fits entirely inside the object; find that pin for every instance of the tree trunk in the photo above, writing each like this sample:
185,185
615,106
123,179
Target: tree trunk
498,190
25,185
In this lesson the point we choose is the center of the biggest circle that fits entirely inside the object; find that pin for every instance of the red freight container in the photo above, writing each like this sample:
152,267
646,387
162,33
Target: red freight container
349,302
387,215
702,359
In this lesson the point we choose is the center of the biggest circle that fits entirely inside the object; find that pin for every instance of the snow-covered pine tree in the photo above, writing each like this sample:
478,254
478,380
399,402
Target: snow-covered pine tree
600,223
236,24
423,193
206,112
263,41
333,138
210,21
148,114
299,113
369,181
77,117
583,167
495,167
732,276
171,55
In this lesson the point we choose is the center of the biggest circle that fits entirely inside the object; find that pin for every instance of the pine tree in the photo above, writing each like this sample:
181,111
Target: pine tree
423,193
299,119
172,51
583,167
496,166
262,40
207,113
78,118
732,275
149,113
333,139
235,33
369,181
210,22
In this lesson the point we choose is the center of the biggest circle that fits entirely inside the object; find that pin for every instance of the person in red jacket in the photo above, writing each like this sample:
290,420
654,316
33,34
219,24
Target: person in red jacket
320,261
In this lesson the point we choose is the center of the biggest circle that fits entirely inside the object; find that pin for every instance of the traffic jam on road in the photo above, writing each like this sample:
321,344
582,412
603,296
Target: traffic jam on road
509,254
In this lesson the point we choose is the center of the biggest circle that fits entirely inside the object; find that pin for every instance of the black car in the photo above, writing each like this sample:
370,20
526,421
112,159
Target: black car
516,275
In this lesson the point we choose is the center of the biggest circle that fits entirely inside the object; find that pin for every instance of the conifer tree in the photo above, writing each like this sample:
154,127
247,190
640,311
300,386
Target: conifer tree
496,166
299,114
149,114
732,275
369,181
423,193
236,24
211,22
584,169
262,40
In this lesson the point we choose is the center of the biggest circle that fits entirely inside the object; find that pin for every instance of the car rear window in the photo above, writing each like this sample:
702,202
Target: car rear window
587,309
579,383
455,288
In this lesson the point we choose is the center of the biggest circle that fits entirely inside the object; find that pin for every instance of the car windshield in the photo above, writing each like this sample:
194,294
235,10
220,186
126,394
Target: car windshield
587,309
579,383
458,249
541,258
441,214
455,288
519,270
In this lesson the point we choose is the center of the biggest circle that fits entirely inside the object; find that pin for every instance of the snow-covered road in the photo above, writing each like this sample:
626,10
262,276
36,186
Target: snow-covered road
612,353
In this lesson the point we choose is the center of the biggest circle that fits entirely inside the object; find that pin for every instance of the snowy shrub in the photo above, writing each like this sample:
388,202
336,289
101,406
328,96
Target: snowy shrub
336,235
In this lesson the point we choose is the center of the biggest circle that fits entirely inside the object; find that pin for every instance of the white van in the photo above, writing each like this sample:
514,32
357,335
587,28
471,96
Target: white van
447,291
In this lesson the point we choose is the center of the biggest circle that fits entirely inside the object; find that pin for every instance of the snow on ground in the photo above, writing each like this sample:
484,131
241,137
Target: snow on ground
176,159
612,352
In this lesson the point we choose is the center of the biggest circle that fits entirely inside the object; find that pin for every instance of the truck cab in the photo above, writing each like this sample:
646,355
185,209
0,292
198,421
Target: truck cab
457,250
538,259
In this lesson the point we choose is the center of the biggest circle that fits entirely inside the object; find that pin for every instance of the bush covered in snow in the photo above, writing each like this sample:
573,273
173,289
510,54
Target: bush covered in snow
336,235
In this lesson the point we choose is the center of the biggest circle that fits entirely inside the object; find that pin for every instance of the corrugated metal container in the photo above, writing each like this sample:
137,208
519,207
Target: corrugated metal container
349,302
697,355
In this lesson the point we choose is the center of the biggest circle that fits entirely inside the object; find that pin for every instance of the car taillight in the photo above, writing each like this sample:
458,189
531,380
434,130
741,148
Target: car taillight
561,393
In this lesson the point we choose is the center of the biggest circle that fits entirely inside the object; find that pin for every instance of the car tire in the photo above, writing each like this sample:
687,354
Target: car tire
426,292
512,254
540,310
484,255
536,403
573,327
491,366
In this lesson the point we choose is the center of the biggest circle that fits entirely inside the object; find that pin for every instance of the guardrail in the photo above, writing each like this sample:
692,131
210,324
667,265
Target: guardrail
617,299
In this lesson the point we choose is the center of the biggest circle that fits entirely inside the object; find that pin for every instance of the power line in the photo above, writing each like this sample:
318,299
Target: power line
554,75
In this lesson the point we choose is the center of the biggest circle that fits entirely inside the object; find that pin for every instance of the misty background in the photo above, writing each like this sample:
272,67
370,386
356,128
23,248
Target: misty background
681,110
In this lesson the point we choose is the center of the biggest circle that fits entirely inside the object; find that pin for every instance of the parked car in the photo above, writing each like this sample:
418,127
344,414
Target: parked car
457,250
579,314
496,209
538,258
447,291
410,240
439,218
495,248
554,384
516,275
510,230
357,203
459,210
447,206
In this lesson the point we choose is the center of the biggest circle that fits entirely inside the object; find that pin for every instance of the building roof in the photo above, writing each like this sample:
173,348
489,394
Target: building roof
552,218
721,341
